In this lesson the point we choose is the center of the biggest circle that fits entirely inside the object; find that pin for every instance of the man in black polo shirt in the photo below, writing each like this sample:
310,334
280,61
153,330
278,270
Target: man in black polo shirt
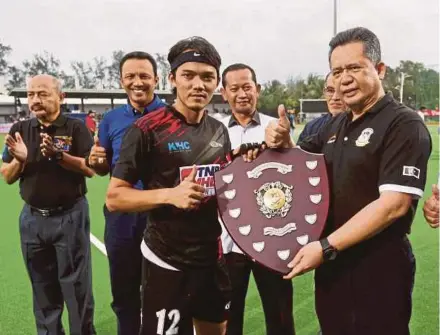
376,157
46,154
175,151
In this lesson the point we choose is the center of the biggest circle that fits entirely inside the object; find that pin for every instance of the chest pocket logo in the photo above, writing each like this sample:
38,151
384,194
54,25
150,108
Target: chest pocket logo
63,143
364,137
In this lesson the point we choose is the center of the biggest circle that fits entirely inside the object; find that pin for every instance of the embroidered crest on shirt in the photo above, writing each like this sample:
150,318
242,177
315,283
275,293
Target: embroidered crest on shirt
62,142
364,137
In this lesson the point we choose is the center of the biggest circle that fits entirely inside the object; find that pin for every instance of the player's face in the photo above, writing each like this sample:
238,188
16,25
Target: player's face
334,102
195,84
44,98
139,81
241,91
355,77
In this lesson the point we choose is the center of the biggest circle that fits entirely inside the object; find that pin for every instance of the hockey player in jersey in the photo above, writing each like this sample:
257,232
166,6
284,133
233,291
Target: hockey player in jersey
175,152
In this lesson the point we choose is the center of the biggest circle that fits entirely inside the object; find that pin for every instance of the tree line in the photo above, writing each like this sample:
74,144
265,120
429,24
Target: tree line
421,83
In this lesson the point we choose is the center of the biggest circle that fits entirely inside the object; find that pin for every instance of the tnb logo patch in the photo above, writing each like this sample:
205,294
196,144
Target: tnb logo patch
178,146
204,177
63,143
411,171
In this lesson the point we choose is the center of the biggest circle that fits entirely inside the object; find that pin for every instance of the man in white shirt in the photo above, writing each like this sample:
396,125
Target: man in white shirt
246,125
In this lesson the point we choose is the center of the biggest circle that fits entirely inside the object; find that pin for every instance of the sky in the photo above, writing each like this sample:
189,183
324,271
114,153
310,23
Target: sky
278,38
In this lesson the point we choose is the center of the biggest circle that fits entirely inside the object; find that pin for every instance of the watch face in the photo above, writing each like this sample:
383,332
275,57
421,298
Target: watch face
330,254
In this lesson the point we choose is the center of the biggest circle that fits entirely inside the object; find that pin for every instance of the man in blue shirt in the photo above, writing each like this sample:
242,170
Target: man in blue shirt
124,231
335,107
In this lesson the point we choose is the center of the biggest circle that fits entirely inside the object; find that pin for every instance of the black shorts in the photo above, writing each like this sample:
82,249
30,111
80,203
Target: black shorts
171,299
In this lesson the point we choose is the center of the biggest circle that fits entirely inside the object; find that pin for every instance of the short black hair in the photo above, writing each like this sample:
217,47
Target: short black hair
90,112
198,44
359,34
138,55
236,67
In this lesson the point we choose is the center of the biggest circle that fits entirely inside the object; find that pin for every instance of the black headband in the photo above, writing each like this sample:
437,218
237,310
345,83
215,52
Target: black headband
192,56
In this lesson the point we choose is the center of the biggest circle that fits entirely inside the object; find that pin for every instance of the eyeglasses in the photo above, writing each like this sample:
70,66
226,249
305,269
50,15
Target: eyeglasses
329,92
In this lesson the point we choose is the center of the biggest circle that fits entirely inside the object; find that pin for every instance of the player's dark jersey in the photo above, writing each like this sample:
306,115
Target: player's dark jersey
160,149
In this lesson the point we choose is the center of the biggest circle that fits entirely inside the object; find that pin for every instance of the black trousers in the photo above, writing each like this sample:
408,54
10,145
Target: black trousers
123,237
56,251
367,289
276,296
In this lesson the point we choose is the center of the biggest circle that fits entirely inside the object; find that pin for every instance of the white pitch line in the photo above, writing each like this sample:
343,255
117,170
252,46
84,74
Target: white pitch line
97,243
101,247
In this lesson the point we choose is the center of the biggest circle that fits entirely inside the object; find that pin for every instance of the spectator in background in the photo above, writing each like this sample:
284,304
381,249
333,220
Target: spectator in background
335,107
22,116
291,116
421,112
90,122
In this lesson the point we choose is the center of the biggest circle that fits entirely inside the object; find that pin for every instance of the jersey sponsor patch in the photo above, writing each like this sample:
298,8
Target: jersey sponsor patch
179,146
411,171
63,143
204,177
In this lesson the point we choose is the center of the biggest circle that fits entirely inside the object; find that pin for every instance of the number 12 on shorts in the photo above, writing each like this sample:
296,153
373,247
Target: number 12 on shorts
173,316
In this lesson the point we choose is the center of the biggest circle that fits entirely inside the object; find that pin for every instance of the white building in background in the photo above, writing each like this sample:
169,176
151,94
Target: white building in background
10,107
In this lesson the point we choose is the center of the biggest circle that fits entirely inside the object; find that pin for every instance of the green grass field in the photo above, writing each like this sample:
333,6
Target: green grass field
15,295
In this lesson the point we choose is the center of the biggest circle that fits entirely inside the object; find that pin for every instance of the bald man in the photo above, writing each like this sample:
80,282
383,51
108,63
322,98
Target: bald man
46,154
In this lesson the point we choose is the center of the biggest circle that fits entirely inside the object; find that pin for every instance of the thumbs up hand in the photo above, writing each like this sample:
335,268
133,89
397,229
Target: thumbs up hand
283,119
188,194
277,132
98,155
431,208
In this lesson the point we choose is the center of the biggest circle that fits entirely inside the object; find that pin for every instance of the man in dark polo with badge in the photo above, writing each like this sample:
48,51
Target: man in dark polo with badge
46,154
376,158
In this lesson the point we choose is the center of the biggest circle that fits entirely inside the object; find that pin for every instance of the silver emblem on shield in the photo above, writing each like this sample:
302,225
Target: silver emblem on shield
274,199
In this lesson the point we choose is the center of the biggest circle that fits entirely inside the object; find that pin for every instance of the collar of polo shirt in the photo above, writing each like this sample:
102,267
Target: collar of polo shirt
58,122
234,122
380,104
153,105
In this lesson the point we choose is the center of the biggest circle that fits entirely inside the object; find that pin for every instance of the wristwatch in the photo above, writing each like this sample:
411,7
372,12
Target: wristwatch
87,160
328,251
59,156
